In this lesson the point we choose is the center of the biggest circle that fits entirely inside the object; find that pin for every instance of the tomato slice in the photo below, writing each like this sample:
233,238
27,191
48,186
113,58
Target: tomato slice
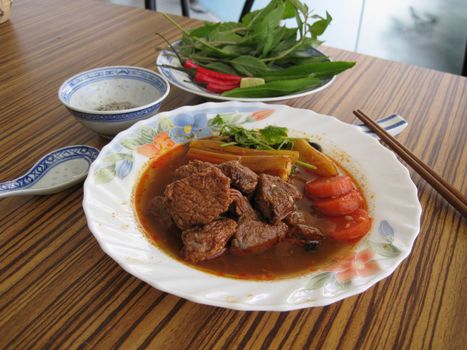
347,227
342,205
329,187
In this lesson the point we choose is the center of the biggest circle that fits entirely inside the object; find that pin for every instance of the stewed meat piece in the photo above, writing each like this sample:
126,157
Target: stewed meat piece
198,199
275,198
241,177
193,167
241,206
254,235
209,241
296,217
305,232
300,230
159,210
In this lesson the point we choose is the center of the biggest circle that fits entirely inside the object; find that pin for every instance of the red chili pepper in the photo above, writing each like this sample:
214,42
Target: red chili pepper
190,64
201,77
216,82
214,87
220,76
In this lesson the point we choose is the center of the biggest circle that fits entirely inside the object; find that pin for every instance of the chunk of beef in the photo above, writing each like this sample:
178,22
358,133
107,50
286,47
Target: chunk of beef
241,206
275,198
159,210
296,217
255,235
299,230
193,167
242,178
305,232
198,199
207,242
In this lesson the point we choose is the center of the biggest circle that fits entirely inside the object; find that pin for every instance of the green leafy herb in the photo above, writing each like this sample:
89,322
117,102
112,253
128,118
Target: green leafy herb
249,66
317,28
268,138
275,88
317,68
274,135
220,67
262,46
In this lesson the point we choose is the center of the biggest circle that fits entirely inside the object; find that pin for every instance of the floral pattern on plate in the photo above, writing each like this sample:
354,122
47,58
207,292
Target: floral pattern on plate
362,264
152,142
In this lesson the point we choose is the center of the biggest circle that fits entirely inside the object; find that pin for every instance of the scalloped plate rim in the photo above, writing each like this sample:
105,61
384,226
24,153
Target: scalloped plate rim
323,301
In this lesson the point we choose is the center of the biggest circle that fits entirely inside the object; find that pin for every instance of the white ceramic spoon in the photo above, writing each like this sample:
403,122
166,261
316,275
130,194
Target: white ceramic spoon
54,172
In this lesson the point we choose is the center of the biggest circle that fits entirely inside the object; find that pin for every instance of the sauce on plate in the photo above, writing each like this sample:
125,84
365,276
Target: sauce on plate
281,261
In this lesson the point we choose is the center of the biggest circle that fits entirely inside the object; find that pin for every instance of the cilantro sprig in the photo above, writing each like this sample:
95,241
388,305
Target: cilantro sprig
268,138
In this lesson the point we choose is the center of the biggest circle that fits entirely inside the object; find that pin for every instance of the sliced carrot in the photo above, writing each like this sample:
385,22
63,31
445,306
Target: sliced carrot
347,227
329,187
342,205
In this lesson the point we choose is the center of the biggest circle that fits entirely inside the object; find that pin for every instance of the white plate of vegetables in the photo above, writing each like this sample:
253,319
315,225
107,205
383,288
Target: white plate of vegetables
257,59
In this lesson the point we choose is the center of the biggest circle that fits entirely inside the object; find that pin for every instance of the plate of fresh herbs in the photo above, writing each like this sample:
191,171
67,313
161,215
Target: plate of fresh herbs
256,59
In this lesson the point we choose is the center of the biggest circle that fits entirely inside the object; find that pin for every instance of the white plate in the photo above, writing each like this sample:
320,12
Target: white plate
391,195
183,81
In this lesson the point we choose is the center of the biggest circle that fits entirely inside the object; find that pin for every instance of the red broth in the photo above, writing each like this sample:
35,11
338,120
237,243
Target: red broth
281,261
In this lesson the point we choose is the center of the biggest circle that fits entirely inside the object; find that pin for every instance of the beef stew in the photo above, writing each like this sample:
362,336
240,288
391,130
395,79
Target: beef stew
227,220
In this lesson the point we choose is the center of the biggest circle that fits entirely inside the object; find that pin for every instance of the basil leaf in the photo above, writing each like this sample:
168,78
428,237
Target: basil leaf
282,33
250,17
299,24
249,65
215,52
257,16
322,69
236,50
284,45
221,67
230,26
264,30
318,27
204,30
299,6
218,35
289,10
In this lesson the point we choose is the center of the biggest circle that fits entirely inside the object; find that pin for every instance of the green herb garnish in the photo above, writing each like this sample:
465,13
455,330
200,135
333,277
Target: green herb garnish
268,138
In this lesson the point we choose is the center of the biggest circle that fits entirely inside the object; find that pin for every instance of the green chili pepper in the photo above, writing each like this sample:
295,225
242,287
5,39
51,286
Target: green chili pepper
318,69
275,88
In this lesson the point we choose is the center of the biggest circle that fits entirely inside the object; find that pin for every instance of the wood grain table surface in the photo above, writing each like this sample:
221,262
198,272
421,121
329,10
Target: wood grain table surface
59,290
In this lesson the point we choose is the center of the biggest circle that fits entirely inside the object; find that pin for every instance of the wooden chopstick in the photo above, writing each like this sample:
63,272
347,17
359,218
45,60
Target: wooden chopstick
453,196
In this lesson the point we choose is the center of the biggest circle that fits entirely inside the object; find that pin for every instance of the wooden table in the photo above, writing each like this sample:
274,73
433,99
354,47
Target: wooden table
58,289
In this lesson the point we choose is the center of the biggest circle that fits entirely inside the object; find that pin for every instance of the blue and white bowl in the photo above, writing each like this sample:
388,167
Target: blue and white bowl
84,93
